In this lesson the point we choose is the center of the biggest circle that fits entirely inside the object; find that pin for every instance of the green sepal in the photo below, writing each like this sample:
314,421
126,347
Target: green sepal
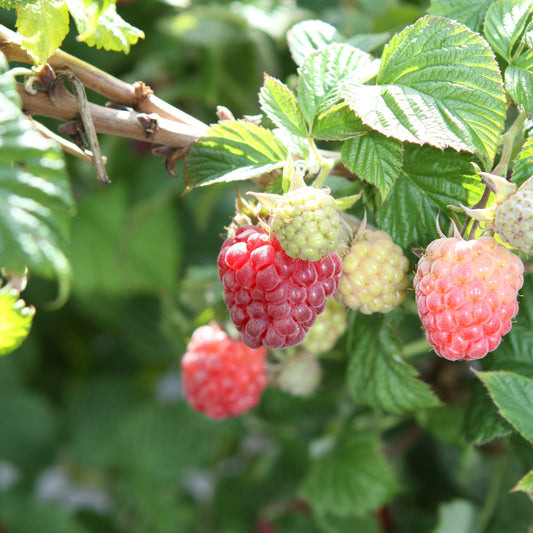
348,201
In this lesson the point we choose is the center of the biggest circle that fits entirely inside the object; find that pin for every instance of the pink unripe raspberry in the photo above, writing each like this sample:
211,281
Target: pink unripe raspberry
466,294
273,299
222,377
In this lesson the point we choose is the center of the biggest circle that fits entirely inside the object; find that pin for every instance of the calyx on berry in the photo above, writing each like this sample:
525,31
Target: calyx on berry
305,219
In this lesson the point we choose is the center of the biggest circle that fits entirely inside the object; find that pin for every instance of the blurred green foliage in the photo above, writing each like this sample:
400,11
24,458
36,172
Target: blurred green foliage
94,433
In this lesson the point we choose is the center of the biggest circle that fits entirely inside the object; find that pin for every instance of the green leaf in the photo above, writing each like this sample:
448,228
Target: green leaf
309,36
374,158
35,196
429,181
471,13
505,22
43,24
28,430
347,524
233,150
22,514
457,516
368,41
103,27
161,442
353,478
15,320
519,81
526,483
322,74
523,165
337,122
513,394
280,104
427,94
482,422
378,377
113,249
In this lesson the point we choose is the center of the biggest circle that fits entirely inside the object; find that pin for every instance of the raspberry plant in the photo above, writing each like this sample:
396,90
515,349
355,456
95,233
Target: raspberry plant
412,115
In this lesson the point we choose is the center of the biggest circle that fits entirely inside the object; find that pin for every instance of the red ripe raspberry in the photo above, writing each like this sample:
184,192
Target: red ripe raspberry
273,299
466,293
222,377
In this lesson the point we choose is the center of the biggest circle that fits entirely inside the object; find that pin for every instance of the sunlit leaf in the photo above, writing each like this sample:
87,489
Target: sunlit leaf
231,151
438,84
43,26
35,196
374,158
504,24
15,320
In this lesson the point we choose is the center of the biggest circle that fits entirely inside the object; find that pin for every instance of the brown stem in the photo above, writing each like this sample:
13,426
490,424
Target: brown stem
137,95
124,123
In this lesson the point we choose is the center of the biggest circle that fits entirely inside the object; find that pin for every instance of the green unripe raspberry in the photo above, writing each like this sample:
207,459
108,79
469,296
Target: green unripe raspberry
300,374
329,326
374,277
307,223
514,221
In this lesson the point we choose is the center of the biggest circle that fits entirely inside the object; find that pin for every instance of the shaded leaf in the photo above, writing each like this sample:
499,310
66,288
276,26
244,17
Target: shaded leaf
482,422
231,151
429,181
347,524
438,84
378,377
113,249
28,429
504,24
353,478
469,12
374,158
22,515
15,320
280,104
513,394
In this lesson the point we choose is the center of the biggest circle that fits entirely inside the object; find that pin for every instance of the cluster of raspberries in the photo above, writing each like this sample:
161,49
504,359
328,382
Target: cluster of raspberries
277,282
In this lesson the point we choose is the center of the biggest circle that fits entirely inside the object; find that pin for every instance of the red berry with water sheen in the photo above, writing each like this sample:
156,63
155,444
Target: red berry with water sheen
272,298
222,377
466,294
